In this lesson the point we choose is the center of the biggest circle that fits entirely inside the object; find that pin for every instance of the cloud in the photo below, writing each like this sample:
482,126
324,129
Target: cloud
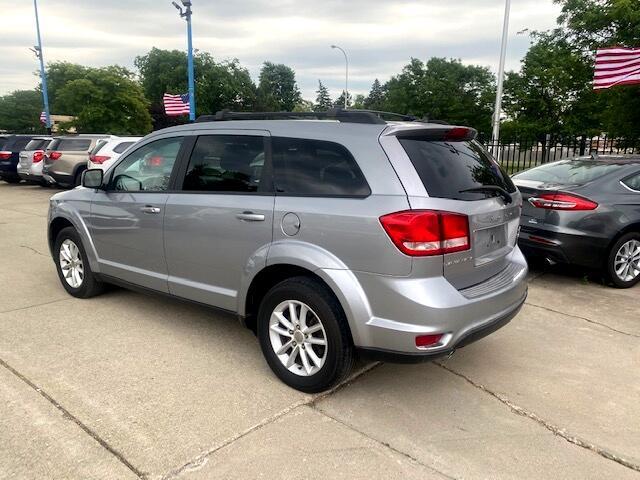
379,36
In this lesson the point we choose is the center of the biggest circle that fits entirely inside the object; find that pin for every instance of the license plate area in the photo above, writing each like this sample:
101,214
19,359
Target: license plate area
490,243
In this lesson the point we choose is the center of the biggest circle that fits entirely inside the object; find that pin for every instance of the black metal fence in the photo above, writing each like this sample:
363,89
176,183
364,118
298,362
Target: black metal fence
522,154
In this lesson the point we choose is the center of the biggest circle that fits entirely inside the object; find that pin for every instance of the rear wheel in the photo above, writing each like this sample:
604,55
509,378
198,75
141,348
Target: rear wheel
623,263
304,335
12,179
73,266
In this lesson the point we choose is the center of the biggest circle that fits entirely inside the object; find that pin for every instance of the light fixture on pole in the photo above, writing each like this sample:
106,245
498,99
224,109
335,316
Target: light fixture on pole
186,14
495,137
346,78
37,49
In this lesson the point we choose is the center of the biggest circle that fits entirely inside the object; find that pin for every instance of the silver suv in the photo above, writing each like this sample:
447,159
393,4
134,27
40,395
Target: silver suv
329,235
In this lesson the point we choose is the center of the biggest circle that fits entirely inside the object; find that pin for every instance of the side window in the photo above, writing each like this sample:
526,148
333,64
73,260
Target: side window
121,147
633,182
316,168
148,169
225,163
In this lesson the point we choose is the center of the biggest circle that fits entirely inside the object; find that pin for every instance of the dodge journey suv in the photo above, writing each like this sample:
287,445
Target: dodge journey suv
328,234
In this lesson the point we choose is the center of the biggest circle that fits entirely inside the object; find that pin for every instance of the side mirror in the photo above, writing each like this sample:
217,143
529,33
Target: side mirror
92,178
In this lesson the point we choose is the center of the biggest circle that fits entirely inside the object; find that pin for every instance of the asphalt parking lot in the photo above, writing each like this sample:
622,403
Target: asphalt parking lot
133,386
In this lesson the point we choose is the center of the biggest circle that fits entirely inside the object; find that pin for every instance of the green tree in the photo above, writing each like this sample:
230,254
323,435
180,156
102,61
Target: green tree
224,85
443,89
590,24
103,100
359,101
552,92
20,112
277,88
339,102
376,98
323,99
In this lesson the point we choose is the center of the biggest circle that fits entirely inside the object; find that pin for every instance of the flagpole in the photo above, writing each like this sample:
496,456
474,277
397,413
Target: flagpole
43,75
495,137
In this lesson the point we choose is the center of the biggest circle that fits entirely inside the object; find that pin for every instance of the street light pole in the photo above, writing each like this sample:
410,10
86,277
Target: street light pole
43,75
186,14
346,77
495,137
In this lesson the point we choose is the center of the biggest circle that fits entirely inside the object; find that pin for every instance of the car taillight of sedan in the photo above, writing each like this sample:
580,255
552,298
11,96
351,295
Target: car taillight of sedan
562,201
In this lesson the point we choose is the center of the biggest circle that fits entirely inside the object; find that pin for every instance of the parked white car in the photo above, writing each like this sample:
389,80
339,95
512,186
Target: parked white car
108,151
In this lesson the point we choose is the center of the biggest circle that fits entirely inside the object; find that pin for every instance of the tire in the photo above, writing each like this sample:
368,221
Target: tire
89,285
12,179
626,248
333,361
77,180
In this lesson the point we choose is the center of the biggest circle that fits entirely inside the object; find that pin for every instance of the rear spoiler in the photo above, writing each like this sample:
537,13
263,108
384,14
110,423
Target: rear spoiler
439,133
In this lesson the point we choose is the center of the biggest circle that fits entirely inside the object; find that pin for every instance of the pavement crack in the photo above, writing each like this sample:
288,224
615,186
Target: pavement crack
69,416
556,430
203,457
384,444
585,319
33,250
33,306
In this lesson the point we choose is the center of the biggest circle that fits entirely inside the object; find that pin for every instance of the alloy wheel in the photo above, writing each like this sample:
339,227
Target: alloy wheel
627,261
298,338
71,263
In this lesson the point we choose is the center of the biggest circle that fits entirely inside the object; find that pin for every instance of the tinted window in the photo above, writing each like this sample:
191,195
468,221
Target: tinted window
16,144
37,144
99,145
317,168
73,144
225,163
568,171
121,147
148,168
447,169
633,182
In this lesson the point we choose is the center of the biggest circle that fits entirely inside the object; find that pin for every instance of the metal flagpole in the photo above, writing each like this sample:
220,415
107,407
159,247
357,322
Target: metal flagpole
186,14
495,137
43,75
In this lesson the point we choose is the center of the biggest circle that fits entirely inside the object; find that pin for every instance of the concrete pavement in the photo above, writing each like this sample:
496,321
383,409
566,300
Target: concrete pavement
133,386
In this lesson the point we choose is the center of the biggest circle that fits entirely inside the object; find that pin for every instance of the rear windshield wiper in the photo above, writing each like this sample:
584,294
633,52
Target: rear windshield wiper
491,189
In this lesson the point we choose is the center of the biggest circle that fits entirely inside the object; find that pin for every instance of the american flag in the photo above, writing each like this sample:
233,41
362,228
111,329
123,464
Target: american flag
175,105
43,117
616,66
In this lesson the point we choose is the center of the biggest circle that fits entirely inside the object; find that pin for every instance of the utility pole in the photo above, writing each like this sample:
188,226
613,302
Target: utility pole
43,75
495,137
346,77
186,14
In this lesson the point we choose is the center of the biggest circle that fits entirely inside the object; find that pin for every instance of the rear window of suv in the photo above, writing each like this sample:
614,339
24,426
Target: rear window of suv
447,169
37,144
71,144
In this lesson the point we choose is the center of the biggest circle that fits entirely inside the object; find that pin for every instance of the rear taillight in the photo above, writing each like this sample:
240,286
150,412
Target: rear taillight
54,155
5,155
423,233
99,159
38,155
425,341
562,201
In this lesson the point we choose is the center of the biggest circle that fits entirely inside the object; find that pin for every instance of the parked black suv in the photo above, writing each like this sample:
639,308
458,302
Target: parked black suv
10,148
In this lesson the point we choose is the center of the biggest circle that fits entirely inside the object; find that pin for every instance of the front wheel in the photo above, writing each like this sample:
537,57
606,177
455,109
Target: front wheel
623,263
304,335
73,266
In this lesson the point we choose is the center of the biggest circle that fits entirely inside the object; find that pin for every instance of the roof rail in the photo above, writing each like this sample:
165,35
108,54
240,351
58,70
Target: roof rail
347,116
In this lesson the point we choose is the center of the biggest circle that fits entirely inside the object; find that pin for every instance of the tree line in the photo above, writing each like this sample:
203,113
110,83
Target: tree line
551,93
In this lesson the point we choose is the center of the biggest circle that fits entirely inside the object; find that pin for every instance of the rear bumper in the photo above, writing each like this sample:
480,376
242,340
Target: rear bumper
471,336
62,179
403,308
8,168
582,250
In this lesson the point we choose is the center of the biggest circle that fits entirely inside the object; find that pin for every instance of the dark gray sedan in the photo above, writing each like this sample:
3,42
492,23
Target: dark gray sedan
584,212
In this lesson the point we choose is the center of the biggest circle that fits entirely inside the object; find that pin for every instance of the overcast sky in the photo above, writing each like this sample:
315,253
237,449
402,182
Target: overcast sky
379,36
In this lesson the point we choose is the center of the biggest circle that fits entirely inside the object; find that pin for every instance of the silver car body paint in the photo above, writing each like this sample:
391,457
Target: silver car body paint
199,250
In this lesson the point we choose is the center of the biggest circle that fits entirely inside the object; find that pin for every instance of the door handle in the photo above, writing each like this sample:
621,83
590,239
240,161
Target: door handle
150,209
250,217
